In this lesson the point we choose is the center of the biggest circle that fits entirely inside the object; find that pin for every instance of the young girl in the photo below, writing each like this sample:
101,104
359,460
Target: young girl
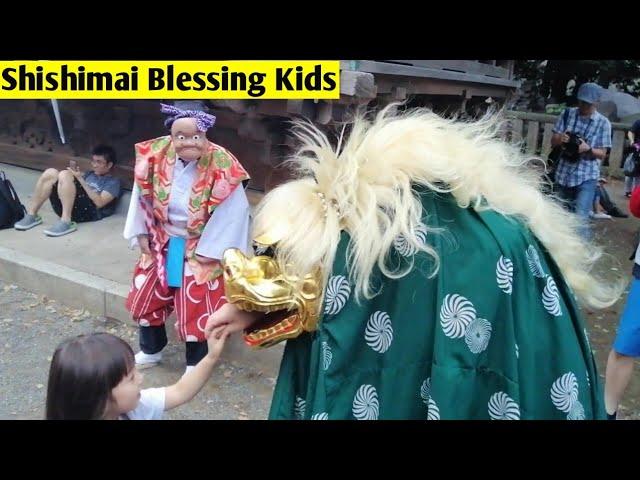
94,377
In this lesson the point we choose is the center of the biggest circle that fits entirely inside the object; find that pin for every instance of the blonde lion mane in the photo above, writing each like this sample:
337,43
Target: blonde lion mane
368,182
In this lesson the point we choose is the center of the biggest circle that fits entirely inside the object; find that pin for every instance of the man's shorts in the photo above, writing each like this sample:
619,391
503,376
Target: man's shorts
84,210
628,336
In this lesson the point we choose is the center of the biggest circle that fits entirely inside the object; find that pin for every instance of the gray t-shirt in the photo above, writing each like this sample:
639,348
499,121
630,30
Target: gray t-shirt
104,183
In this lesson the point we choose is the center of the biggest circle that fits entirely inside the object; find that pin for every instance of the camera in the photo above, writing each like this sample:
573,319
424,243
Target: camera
570,152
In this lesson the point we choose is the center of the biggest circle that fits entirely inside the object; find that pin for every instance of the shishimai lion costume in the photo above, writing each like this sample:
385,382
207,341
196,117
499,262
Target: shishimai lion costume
417,272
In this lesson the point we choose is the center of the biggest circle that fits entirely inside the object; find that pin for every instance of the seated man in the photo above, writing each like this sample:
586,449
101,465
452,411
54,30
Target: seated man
75,196
603,206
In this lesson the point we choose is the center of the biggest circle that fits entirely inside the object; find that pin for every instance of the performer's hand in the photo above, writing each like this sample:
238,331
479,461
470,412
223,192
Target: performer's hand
143,241
216,343
565,138
232,317
218,332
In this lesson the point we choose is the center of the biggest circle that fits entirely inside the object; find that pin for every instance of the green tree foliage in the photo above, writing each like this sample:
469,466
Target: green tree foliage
550,77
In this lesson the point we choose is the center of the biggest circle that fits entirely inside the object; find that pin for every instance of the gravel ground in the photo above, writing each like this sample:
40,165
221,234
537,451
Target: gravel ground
31,326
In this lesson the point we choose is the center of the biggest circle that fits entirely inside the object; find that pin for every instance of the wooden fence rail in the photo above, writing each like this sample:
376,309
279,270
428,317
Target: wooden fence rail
534,130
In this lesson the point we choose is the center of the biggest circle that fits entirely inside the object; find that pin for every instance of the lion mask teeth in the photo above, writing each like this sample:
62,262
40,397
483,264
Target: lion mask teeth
257,284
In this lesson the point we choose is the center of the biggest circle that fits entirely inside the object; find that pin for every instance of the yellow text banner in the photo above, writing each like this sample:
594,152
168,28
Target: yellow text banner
246,79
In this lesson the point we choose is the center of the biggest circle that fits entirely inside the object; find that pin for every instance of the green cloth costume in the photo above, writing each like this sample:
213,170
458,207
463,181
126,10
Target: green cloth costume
496,334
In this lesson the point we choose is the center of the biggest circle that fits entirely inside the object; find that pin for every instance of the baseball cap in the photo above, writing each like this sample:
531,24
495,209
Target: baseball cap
589,92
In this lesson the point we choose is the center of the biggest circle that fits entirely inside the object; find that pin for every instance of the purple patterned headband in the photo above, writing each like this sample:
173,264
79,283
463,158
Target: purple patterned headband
204,121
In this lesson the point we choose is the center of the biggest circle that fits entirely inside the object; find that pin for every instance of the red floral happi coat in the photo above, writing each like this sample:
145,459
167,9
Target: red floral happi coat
219,174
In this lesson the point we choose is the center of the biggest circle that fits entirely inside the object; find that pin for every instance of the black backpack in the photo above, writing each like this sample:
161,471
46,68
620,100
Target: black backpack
11,210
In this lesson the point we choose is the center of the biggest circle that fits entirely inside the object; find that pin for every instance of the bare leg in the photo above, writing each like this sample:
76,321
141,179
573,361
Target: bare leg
67,193
43,190
619,369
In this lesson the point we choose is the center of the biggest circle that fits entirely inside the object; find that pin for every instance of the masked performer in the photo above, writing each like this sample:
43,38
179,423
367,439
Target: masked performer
418,272
187,207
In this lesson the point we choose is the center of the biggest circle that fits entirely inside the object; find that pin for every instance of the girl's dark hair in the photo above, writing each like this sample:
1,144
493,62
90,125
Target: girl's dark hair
83,372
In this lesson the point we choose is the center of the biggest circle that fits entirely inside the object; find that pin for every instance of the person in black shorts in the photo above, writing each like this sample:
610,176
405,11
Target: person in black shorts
75,196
